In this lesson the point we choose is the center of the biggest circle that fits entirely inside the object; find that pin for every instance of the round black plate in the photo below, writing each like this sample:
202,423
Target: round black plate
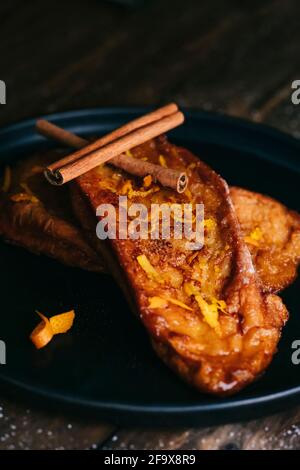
105,363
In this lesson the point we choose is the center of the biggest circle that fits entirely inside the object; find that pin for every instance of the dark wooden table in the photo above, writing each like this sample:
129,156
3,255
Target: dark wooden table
235,57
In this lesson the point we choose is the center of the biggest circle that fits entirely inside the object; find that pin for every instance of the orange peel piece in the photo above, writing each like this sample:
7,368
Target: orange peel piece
42,333
47,328
63,322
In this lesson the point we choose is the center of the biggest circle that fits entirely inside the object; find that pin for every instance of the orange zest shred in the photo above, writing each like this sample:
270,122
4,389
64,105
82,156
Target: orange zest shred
47,328
162,161
160,302
188,194
149,269
127,186
209,223
191,257
24,197
256,234
132,193
179,303
6,179
249,241
210,311
190,289
108,186
128,190
254,237
147,181
157,302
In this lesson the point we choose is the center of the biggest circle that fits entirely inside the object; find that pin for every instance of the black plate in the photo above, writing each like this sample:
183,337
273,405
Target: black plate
105,363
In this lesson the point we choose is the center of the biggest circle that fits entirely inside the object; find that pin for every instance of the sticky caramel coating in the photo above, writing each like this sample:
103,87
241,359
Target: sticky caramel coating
216,360
276,255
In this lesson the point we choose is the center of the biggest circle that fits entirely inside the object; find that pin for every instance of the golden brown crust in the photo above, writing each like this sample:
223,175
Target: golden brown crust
45,224
276,253
219,360
29,225
276,256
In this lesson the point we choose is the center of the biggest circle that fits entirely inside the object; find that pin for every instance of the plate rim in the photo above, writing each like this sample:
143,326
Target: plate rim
187,111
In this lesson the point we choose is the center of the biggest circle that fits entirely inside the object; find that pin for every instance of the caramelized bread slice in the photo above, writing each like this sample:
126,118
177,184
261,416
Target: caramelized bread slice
48,227
37,216
272,233
204,310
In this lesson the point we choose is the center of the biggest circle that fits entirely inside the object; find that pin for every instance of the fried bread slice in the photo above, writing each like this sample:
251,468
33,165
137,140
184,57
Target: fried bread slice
47,226
205,311
38,217
272,233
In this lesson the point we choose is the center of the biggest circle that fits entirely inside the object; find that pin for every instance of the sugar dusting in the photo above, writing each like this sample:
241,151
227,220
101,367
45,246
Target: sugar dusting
279,432
22,429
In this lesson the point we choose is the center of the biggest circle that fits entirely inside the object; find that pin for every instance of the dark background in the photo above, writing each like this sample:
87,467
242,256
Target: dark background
231,56
234,56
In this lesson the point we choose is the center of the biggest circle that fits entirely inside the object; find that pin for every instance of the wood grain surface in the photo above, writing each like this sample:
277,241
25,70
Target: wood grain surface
228,56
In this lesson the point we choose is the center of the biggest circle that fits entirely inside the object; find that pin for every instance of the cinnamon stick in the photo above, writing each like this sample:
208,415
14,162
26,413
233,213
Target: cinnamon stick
51,131
167,177
131,126
86,160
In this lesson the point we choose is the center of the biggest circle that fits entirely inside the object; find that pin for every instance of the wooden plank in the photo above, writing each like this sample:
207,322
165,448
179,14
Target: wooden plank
281,431
110,56
286,115
239,75
23,427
